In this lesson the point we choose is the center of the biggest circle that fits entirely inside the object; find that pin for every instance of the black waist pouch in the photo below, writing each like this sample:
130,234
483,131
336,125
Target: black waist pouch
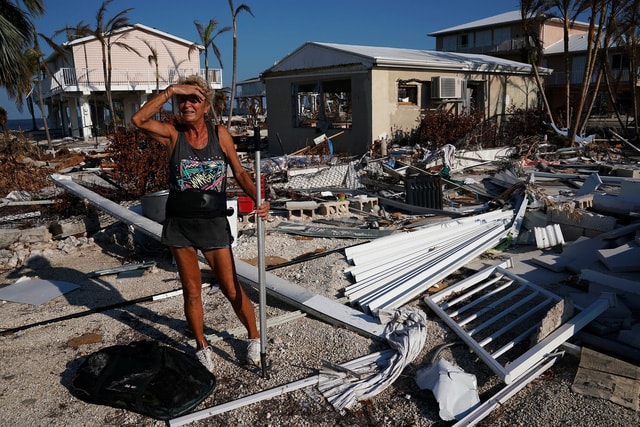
195,204
143,377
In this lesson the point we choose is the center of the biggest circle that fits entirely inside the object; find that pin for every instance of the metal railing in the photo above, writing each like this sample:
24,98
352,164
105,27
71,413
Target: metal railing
88,80
557,77
511,45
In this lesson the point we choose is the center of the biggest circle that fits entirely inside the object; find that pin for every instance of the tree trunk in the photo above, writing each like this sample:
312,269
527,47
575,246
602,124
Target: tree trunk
593,43
233,75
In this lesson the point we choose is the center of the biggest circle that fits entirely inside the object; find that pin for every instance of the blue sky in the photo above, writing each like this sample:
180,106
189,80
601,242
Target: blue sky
278,27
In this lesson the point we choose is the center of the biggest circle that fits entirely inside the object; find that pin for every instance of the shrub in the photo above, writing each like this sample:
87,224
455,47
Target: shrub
140,163
440,127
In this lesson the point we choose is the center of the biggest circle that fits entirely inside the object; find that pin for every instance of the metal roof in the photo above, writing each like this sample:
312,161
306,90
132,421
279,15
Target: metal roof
497,20
319,55
502,18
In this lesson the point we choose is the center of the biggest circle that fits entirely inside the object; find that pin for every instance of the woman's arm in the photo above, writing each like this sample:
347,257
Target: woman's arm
164,133
242,177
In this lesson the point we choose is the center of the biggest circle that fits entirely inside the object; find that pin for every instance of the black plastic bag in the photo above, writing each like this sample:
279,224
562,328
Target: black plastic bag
144,377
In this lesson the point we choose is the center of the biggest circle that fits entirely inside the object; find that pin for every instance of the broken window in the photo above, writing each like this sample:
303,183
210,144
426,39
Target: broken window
325,104
408,94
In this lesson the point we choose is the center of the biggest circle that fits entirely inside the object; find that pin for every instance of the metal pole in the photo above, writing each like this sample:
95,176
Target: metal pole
261,261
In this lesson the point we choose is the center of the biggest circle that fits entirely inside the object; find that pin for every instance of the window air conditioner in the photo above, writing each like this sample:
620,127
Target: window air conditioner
446,88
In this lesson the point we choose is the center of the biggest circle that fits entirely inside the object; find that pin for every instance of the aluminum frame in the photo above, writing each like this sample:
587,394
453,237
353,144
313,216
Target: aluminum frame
488,292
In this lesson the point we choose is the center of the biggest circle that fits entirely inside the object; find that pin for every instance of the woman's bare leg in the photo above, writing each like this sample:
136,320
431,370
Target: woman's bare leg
221,262
191,278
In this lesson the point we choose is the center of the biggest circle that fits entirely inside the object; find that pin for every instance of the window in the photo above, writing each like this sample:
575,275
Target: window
463,41
619,61
449,43
407,94
325,104
483,38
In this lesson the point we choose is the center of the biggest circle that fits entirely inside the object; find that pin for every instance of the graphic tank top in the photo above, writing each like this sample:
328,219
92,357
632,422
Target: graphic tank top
202,169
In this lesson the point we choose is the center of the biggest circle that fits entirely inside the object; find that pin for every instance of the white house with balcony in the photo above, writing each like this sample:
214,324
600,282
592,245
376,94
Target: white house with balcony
75,94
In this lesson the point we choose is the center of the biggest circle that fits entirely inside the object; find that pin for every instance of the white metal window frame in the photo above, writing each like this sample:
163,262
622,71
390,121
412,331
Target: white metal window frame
453,301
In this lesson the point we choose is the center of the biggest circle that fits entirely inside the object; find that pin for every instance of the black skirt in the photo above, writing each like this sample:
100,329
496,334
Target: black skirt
200,233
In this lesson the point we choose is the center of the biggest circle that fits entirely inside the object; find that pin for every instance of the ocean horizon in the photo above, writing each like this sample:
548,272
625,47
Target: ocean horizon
25,125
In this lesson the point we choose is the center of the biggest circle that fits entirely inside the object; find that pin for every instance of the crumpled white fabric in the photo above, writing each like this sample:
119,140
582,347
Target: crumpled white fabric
455,390
448,154
405,332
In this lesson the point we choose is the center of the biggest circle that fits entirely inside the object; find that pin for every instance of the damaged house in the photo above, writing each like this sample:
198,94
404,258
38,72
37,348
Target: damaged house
368,92
143,61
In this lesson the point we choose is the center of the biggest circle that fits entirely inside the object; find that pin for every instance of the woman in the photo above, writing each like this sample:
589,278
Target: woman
196,207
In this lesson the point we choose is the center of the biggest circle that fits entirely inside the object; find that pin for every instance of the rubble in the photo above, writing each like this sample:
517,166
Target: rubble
581,212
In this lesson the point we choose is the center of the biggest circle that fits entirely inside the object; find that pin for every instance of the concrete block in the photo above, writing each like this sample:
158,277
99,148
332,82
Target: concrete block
551,262
30,235
581,218
581,253
593,221
333,208
618,316
558,314
301,208
363,203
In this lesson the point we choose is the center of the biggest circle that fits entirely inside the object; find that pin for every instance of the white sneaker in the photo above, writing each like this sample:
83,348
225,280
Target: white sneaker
205,356
253,352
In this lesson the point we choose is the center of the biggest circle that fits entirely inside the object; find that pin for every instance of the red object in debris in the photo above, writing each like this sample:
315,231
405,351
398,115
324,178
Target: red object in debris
245,204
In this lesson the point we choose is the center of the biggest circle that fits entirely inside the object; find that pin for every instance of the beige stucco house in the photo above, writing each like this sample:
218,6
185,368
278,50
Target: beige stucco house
75,96
502,36
364,93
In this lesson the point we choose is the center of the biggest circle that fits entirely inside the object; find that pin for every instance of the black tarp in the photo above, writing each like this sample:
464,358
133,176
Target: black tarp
143,377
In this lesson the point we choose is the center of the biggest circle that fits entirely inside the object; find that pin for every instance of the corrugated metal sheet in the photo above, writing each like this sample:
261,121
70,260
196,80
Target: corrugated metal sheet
393,270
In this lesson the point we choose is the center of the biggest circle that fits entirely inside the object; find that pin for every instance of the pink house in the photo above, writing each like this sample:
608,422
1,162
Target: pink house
76,97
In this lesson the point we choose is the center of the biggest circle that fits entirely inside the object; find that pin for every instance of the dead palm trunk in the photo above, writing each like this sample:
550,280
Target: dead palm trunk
593,42
234,15
39,83
532,12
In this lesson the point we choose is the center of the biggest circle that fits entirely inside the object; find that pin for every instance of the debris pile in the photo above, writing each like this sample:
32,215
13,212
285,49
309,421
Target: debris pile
429,218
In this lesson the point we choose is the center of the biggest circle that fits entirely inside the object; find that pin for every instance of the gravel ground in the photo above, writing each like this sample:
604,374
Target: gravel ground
38,362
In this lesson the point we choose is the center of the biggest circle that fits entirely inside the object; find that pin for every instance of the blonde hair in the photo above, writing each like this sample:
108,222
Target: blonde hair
196,80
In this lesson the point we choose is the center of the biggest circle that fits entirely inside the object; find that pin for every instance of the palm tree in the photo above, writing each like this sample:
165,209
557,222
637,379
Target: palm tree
207,38
598,17
16,33
532,12
234,15
3,120
629,25
565,9
34,56
153,60
106,32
